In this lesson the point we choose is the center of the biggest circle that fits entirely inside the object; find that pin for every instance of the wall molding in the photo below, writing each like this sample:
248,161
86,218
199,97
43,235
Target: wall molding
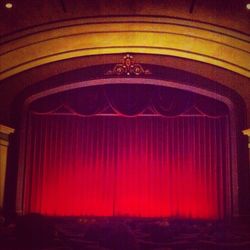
202,42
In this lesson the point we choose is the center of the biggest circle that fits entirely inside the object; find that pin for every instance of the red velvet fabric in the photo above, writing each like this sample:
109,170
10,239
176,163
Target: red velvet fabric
146,166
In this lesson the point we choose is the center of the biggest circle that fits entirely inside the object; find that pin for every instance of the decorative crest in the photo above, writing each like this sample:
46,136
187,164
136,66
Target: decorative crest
128,67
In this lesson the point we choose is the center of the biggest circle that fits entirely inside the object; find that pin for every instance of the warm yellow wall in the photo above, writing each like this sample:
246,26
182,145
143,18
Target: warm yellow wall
246,132
164,36
3,160
4,132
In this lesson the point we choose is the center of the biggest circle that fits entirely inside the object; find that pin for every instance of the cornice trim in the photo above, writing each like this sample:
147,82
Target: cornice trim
246,132
6,130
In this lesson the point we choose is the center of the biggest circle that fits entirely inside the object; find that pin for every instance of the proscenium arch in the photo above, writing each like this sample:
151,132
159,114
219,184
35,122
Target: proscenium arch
193,40
232,181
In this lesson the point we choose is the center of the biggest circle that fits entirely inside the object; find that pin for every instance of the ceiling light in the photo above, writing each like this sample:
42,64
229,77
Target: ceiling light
248,6
8,5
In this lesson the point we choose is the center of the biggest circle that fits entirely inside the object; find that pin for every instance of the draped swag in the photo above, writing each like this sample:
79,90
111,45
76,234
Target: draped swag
127,150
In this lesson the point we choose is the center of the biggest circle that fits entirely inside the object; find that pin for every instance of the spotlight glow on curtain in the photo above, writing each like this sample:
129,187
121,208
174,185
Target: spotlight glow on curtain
141,166
143,159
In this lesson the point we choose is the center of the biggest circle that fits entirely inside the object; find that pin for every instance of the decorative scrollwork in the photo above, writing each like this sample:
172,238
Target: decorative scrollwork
128,67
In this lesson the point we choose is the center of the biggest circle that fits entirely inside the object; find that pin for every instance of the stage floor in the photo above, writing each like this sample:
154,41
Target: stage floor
104,233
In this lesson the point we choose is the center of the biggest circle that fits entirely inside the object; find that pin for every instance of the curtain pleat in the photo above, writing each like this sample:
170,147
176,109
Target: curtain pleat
128,100
148,166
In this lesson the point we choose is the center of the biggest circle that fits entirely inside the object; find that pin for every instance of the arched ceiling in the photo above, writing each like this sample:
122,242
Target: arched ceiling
208,38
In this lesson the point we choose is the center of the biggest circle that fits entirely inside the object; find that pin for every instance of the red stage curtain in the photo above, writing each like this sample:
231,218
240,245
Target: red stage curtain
136,166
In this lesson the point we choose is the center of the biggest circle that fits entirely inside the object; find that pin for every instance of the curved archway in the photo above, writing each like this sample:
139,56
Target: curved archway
150,35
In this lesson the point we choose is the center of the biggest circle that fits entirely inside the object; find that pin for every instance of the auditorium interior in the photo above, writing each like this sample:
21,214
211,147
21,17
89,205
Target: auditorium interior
124,125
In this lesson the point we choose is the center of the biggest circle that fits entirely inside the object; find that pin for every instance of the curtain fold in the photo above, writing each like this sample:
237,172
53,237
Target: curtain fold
148,166
128,100
172,102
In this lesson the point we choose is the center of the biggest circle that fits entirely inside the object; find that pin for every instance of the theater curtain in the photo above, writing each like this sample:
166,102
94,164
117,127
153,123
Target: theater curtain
140,166
127,150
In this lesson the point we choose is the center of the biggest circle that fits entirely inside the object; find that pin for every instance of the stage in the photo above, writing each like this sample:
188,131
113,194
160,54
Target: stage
126,150
126,167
